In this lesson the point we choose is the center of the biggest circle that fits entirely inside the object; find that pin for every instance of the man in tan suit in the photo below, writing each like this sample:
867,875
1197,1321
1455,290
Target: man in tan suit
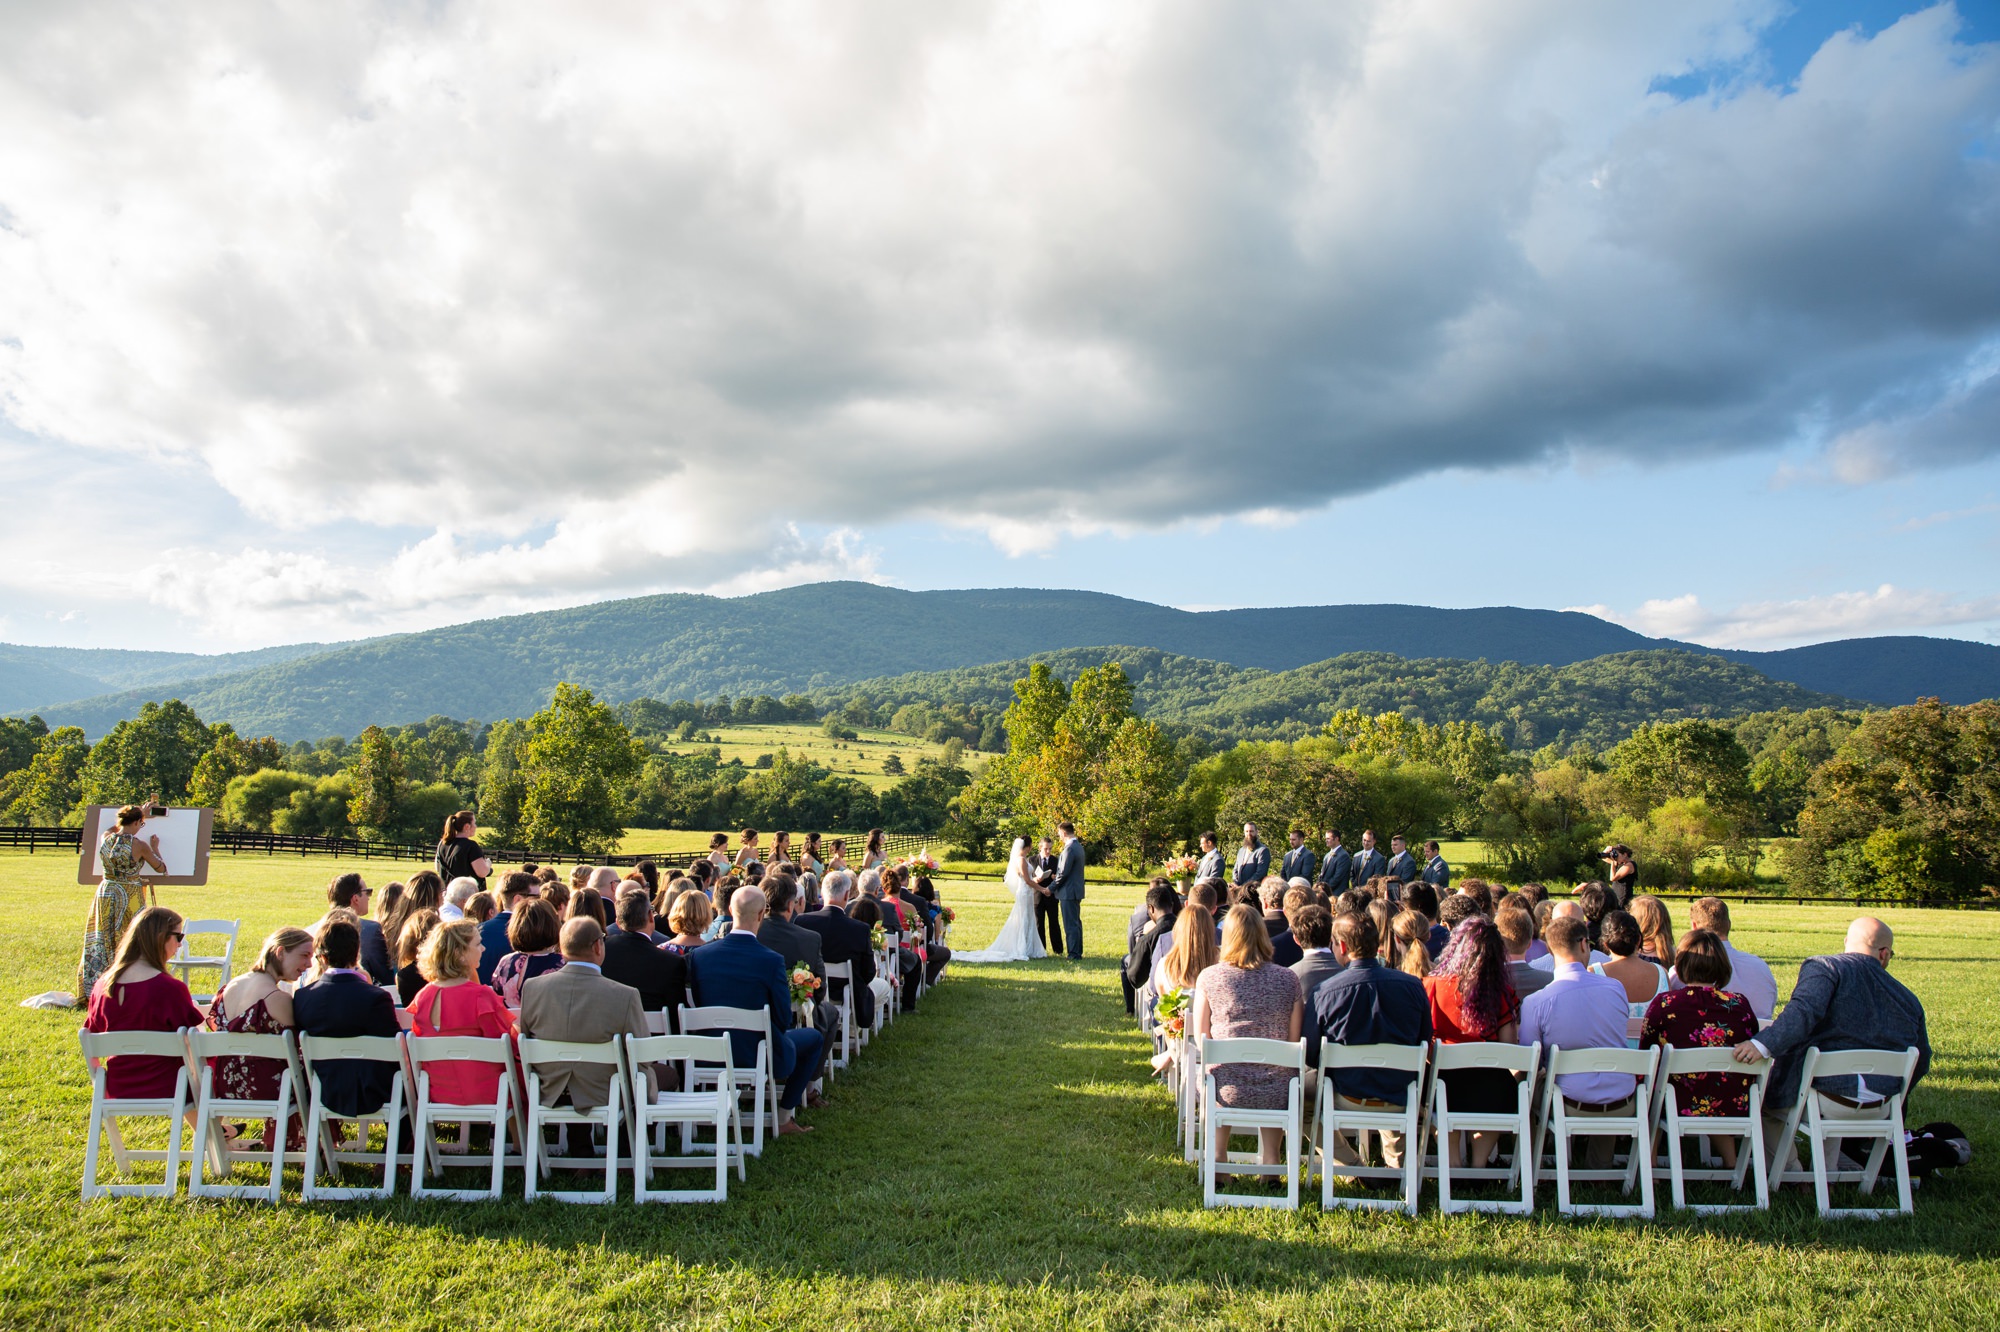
577,1003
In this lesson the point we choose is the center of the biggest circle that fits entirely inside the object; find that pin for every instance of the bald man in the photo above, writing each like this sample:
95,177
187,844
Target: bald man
1845,1002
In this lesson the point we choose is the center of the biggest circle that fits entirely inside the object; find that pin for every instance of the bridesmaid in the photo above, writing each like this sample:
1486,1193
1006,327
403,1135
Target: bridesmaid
121,893
873,857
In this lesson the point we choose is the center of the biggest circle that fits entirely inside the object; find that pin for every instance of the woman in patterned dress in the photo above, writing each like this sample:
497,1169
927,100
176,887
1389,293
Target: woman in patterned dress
123,857
1247,995
257,1003
1700,1014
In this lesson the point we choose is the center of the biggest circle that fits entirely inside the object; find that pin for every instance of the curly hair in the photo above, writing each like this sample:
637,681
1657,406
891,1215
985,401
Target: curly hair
1477,959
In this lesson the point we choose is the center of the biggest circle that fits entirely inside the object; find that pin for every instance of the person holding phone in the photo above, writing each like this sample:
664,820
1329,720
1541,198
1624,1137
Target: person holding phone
123,856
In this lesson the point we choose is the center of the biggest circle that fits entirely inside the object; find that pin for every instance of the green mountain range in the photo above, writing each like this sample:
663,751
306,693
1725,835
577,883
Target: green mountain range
828,635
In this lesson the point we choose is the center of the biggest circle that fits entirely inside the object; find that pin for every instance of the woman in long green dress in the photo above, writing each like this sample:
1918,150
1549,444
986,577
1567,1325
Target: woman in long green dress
122,856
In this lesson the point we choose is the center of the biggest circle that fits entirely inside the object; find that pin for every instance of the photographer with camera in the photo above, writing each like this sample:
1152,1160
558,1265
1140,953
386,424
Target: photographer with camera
123,856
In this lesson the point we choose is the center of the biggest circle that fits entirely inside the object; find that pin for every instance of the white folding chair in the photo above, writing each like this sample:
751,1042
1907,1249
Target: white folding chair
890,968
757,1080
1828,1120
105,1111
498,1113
187,959
715,1107
1189,1065
1289,1056
536,1057
1334,1122
211,1108
844,1007
1561,1123
1677,1128
322,1148
1518,1060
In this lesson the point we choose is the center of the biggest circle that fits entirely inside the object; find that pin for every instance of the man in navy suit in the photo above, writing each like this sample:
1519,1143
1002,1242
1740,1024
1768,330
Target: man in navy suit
1068,888
514,889
1299,862
1370,862
1436,873
736,971
351,892
1336,867
344,1002
1402,865
844,939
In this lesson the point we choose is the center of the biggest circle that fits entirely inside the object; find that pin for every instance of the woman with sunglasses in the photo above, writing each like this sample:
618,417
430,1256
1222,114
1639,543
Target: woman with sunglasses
136,993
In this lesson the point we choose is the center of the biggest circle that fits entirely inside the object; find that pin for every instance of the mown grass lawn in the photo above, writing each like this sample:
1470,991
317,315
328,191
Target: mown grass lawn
1000,1160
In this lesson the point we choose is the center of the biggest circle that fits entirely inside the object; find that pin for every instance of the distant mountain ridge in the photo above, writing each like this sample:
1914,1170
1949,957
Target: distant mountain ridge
830,634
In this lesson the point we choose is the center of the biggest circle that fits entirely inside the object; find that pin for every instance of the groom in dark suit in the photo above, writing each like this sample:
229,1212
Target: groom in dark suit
1068,888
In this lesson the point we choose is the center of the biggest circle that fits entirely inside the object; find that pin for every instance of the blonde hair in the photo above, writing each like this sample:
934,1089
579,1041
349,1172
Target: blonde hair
1245,941
1656,927
1411,931
442,957
416,929
1193,949
692,913
276,944
145,941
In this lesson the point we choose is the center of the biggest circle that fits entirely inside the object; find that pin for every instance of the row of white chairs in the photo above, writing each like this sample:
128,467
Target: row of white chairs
1543,1125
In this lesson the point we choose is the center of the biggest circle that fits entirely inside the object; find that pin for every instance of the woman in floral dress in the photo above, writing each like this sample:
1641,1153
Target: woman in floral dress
123,857
1703,1014
256,1004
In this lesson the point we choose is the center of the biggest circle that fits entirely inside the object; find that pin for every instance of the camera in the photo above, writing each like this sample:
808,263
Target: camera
156,811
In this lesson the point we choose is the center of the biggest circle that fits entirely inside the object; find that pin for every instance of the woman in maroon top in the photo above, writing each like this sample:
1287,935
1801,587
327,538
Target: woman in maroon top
1703,1014
136,994
1473,1000
257,1004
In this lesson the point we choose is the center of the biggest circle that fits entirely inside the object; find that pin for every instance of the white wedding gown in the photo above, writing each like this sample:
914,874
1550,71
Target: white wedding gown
1017,941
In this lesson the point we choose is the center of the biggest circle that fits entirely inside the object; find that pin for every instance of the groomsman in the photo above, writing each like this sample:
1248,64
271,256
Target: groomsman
1402,865
1370,862
1436,873
1211,859
1253,858
1336,867
1299,862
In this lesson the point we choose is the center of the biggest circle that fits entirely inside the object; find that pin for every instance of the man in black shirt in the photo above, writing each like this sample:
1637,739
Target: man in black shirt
1048,911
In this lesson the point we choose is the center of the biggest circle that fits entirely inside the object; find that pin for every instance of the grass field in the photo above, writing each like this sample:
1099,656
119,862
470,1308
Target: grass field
999,1160
861,759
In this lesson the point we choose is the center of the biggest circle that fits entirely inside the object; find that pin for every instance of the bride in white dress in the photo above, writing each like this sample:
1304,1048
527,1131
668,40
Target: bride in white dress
1018,941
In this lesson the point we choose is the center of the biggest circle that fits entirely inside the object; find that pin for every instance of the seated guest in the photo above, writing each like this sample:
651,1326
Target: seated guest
577,1002
533,934
1472,1000
1847,1001
1749,975
1458,907
632,958
1312,928
343,1003
1154,938
1410,934
415,930
1656,930
843,939
1642,978
514,889
456,894
1703,1013
1558,911
690,920
454,1003
1594,900
1192,952
136,993
738,972
1366,1003
1579,1010
1543,911
1246,995
425,892
350,891
1421,898
585,904
557,895
480,908
255,1003
1135,924
1271,896
923,917
1517,931
799,947
579,878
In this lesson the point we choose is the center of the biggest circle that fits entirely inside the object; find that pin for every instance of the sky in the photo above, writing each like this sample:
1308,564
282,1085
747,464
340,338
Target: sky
320,321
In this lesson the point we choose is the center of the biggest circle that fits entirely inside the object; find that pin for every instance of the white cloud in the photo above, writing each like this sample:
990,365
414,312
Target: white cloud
653,284
1772,624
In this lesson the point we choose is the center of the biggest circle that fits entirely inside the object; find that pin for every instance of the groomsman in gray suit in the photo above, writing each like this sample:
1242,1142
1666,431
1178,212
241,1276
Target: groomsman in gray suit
1402,865
1211,859
1370,862
1068,888
1336,867
1298,862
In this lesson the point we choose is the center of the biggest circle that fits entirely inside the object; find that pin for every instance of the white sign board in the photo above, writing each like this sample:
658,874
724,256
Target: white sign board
183,835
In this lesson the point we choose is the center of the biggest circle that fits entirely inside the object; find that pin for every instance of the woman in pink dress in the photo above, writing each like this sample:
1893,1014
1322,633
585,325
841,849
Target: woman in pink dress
454,1003
1247,995
255,1003
135,993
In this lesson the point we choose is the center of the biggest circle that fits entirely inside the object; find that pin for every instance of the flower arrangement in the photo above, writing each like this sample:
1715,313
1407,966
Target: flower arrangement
1171,1008
923,863
878,938
1180,867
947,915
804,985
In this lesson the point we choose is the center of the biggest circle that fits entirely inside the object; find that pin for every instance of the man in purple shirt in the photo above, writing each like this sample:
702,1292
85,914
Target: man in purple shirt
1581,1011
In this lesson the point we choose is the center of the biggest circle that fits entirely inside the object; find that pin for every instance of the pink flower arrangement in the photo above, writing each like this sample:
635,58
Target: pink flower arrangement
1180,867
804,985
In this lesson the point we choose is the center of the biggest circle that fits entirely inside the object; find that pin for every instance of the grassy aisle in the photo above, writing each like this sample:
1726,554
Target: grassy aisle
999,1160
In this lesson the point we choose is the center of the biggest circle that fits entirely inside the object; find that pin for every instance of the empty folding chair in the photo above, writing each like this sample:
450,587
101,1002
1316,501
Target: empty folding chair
212,1106
753,1079
1828,1118
498,1113
844,1006
1189,1075
713,1106
323,1147
217,959
105,1111
1334,1122
1563,1121
1678,1127
1289,1056
540,1058
1519,1060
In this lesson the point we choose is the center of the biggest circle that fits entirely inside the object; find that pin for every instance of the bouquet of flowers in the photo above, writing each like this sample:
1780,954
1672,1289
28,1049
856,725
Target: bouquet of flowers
878,938
923,863
1180,867
804,985
946,915
1171,1008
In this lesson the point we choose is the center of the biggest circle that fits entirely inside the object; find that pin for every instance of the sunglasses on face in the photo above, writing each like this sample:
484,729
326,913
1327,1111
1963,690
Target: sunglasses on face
177,936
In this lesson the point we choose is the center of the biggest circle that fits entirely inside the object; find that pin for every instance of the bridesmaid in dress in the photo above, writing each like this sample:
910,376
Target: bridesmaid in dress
873,857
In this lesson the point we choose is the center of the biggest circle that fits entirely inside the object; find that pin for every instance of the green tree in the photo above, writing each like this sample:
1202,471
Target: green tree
1292,786
1663,761
1539,826
252,800
229,756
18,739
1040,699
319,810
893,765
379,783
1132,806
1672,837
49,790
155,752
574,765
